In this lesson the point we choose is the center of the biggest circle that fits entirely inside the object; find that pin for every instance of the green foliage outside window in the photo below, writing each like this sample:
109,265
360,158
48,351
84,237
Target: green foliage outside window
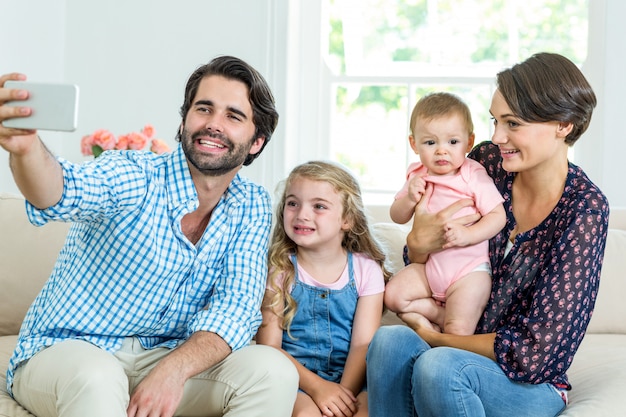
385,54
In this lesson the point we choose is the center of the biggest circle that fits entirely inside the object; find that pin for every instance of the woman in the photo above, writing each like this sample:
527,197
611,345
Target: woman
546,266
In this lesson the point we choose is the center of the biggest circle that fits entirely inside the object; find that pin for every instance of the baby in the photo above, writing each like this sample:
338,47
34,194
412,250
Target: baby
451,287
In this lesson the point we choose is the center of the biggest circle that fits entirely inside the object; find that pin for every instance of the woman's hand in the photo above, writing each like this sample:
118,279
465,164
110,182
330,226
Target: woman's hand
428,232
418,323
13,140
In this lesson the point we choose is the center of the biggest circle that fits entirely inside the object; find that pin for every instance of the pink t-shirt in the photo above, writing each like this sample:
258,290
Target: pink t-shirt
368,277
472,181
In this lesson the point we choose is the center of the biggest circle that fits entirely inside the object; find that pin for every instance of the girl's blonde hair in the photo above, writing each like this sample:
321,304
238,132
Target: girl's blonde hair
357,239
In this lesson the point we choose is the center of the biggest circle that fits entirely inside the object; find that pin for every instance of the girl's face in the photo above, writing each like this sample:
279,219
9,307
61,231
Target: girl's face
441,143
313,214
523,145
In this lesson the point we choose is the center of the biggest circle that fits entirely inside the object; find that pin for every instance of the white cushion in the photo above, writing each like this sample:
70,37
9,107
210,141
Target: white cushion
598,377
8,407
610,311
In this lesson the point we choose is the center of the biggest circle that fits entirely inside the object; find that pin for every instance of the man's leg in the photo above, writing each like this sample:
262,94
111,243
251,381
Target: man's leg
254,381
73,379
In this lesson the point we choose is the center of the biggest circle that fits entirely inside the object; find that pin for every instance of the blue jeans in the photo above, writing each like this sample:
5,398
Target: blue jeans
406,378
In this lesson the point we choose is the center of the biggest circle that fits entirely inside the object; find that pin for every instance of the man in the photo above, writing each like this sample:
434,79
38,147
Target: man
156,295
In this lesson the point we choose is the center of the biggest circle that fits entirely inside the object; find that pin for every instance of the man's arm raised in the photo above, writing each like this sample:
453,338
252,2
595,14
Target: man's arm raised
35,170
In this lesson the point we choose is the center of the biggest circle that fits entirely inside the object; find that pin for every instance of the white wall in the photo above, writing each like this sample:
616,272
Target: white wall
131,60
601,150
34,43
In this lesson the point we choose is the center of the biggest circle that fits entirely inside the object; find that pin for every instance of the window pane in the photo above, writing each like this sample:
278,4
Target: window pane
371,128
369,132
384,55
397,36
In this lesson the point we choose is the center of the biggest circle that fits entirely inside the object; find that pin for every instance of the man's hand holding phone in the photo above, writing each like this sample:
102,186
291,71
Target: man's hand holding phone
14,140
52,106
37,173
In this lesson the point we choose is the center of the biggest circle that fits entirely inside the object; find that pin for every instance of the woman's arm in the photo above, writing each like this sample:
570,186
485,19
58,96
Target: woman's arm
428,232
482,344
487,227
559,299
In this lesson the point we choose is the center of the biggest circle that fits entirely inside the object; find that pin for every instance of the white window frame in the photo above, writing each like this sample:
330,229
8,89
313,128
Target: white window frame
307,115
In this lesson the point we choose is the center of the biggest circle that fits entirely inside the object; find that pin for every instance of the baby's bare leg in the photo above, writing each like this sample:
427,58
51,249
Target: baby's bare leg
465,301
408,292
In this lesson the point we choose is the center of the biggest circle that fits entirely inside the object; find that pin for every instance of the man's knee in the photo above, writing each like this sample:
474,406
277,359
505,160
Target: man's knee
71,377
275,367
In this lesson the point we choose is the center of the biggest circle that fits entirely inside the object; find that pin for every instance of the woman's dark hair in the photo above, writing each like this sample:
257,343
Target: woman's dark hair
264,114
549,87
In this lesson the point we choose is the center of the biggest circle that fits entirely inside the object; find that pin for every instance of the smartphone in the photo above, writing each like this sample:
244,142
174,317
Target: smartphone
54,106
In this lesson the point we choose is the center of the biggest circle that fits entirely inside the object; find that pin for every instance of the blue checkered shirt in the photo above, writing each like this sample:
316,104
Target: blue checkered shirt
127,269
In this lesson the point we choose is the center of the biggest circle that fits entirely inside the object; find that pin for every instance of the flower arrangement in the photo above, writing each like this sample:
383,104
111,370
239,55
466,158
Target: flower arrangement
103,140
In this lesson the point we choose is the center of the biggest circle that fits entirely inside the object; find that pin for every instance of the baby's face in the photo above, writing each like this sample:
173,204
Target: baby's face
441,143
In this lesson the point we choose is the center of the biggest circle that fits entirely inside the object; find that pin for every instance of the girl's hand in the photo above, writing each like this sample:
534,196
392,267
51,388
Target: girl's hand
334,400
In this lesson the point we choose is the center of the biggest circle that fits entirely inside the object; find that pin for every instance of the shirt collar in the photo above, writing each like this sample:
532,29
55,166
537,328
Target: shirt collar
178,179
180,184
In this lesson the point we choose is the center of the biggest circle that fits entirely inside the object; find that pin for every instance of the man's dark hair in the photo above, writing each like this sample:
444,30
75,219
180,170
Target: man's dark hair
264,114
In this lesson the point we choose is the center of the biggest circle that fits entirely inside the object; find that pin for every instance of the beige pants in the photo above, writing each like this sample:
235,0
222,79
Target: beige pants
77,379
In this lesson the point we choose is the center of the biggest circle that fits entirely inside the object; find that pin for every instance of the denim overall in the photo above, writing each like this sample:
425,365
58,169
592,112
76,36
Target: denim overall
322,327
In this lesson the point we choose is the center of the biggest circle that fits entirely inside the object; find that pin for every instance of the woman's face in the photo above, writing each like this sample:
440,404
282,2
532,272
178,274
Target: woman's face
524,145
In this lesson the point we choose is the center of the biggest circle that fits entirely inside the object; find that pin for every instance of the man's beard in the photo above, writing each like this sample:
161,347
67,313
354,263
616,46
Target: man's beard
209,165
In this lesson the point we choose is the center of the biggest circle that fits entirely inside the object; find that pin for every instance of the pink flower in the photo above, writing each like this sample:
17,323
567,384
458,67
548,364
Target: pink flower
122,142
86,143
148,130
136,141
104,139
158,146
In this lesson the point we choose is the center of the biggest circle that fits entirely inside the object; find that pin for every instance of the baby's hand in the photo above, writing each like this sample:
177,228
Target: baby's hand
457,235
417,186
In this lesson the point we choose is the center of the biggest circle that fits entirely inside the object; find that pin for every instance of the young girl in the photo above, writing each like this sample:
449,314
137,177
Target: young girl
324,297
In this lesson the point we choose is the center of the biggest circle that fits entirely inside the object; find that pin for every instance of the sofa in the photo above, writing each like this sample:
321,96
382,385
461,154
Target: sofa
598,373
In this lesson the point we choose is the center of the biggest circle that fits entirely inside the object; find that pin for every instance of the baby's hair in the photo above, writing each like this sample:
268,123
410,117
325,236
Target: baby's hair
357,239
435,105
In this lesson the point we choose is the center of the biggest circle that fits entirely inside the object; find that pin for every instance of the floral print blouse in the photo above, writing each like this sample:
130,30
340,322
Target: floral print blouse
545,288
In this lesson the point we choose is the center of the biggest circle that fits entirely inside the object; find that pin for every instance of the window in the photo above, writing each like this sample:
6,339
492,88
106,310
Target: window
383,55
